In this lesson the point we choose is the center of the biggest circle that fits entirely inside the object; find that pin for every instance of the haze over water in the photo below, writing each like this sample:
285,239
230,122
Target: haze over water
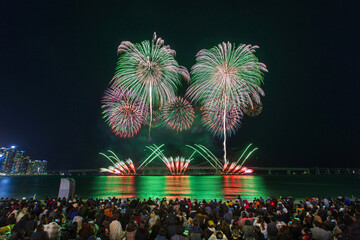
200,187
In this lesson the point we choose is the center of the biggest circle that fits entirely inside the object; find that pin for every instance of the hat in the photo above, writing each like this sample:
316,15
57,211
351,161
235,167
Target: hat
211,223
318,219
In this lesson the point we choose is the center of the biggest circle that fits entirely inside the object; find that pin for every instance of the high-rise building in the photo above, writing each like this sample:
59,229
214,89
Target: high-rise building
18,162
36,167
24,165
8,159
21,163
2,157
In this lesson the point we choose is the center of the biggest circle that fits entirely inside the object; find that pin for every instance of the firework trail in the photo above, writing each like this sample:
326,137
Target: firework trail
157,120
229,75
225,168
207,155
178,114
122,112
150,70
119,167
156,151
176,166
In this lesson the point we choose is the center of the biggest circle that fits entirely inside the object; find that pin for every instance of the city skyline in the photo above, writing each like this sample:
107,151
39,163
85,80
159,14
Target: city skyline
17,162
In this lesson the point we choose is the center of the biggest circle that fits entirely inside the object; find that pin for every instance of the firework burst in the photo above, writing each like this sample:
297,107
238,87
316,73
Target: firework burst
178,114
150,70
227,74
213,117
122,112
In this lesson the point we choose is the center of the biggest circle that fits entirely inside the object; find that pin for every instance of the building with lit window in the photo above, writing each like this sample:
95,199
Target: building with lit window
37,167
7,159
24,164
18,163
2,157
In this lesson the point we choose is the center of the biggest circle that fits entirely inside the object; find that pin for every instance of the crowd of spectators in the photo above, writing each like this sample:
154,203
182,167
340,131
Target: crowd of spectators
180,219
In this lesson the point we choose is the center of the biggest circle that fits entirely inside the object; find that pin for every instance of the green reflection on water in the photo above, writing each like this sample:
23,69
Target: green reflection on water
204,187
200,187
245,186
150,186
106,186
177,187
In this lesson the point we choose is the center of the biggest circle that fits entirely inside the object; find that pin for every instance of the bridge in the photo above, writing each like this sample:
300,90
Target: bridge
208,170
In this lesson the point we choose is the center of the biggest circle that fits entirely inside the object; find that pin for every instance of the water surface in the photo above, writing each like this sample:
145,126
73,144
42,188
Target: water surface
200,187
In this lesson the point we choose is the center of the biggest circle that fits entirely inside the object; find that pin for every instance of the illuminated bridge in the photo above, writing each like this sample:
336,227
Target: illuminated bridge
208,170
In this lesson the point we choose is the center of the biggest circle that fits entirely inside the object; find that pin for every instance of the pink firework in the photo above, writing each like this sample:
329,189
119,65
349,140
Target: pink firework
122,112
213,118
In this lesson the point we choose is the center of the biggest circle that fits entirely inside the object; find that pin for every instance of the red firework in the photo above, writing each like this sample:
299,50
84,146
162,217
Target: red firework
178,114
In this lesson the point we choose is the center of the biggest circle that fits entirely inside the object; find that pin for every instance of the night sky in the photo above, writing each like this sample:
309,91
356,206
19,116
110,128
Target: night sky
56,60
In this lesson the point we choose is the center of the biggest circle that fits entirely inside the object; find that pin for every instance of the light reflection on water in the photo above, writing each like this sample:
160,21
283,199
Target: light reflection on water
177,186
200,187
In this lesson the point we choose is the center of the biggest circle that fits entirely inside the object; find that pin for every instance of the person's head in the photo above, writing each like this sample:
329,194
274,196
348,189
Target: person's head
273,218
50,219
40,227
222,222
211,223
32,217
257,229
131,227
317,224
247,222
317,218
219,235
306,232
195,222
284,231
11,216
307,220
25,217
18,234
142,225
162,232
179,230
